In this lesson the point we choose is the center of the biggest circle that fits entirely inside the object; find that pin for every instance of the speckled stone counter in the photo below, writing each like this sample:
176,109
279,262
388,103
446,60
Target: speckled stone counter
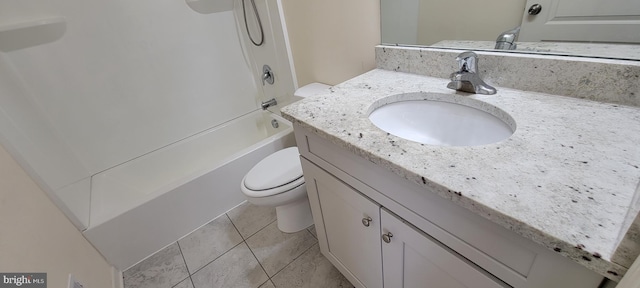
606,50
606,80
565,179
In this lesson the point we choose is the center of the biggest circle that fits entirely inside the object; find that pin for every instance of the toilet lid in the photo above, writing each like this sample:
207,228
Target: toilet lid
276,170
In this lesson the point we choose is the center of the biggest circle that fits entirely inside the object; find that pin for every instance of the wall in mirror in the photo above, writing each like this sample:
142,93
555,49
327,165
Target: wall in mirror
592,28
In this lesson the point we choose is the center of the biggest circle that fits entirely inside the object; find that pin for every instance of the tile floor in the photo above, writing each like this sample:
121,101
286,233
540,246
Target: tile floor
242,248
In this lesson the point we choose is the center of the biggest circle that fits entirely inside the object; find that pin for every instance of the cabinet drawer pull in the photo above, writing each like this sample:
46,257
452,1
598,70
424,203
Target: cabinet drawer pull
387,237
366,221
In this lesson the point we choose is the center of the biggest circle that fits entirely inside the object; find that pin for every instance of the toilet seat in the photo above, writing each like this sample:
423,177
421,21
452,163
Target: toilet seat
277,173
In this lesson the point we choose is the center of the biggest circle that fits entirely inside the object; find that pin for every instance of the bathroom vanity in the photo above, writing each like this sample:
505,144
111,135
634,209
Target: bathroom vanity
544,208
390,233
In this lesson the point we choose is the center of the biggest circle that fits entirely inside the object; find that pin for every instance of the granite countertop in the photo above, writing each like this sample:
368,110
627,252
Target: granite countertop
608,50
565,179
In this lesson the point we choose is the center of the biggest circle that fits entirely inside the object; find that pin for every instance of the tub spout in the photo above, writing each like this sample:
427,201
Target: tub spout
269,103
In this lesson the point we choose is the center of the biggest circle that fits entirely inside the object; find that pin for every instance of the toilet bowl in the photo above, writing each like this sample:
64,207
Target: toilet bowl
277,181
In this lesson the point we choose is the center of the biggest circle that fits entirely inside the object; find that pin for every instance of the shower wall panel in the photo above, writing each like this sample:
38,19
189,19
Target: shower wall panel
126,78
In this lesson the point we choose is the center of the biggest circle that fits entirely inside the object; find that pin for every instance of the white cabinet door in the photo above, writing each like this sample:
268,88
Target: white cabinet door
352,226
582,21
414,259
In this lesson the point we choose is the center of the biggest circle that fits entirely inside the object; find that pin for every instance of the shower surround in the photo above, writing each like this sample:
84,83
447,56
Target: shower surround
127,82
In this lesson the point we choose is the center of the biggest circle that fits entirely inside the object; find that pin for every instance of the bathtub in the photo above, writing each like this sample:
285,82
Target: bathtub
145,204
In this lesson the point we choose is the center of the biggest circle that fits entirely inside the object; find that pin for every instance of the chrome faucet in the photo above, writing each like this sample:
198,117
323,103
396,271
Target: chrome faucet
269,103
467,78
507,40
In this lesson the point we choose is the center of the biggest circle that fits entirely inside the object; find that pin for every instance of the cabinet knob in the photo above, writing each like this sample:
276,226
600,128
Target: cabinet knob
535,9
366,221
387,237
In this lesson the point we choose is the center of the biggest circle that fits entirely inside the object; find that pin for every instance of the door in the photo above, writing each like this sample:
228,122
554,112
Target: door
351,223
412,258
582,21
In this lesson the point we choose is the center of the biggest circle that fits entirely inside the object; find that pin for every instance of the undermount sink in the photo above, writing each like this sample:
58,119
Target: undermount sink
441,123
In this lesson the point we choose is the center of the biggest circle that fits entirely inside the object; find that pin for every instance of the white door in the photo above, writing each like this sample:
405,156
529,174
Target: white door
412,259
582,21
352,226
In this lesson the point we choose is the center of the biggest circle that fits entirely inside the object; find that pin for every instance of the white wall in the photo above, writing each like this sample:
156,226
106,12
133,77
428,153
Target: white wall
467,20
332,40
399,21
24,131
426,22
36,236
126,78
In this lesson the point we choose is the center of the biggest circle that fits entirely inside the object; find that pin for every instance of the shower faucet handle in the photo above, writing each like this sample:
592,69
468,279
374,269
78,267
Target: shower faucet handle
267,75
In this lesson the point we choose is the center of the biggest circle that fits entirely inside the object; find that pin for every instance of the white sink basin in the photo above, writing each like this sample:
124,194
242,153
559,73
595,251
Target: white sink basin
440,123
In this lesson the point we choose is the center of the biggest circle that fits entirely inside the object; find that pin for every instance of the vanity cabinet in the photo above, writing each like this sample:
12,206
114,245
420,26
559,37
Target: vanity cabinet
378,249
358,206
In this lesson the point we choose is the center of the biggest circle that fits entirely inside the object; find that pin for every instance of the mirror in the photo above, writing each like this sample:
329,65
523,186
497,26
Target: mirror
591,28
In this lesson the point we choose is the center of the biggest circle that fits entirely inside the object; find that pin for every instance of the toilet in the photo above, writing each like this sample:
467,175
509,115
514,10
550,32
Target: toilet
277,181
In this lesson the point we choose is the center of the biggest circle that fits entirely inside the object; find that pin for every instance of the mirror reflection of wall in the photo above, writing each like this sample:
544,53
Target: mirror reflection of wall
594,28
425,22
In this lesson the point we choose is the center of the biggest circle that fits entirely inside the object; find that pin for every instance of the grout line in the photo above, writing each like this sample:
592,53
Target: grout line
188,277
261,229
254,233
254,256
186,266
183,260
250,250
294,260
265,282
235,227
205,265
314,236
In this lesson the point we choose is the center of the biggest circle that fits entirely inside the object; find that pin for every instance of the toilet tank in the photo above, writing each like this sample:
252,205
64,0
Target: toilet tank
311,90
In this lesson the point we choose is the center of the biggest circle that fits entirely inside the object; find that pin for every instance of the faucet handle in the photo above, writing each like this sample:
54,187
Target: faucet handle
467,61
467,78
267,75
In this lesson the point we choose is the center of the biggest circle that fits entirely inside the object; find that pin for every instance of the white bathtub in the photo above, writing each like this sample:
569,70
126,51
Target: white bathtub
140,206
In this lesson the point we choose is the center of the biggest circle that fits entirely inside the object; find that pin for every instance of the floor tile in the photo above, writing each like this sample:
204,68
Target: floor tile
267,284
236,268
310,270
312,229
186,283
249,218
166,268
275,249
209,242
